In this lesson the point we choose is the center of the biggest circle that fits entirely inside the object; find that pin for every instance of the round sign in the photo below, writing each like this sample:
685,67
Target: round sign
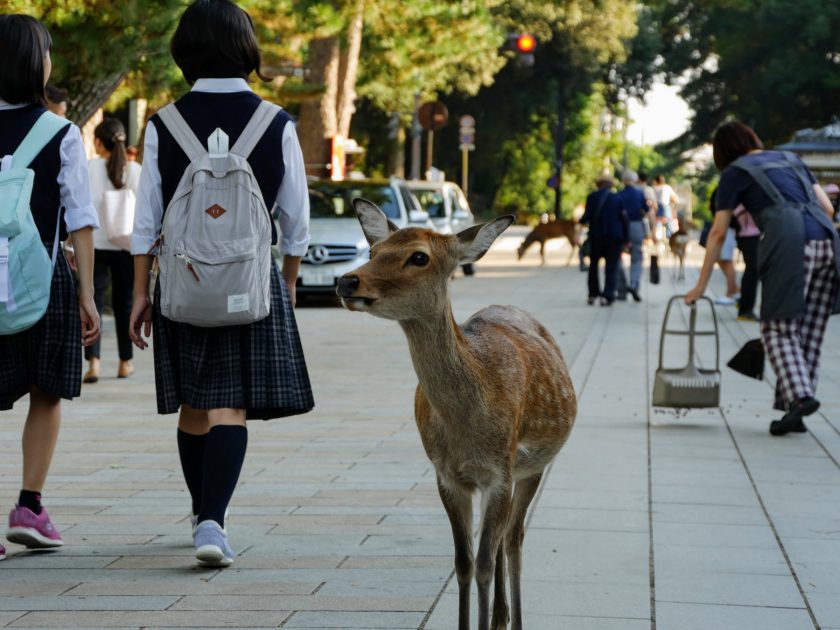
433,115
466,121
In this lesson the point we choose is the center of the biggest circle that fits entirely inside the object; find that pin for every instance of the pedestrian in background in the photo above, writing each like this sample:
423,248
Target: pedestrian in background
113,183
608,232
800,254
217,377
667,202
725,261
747,237
635,206
45,360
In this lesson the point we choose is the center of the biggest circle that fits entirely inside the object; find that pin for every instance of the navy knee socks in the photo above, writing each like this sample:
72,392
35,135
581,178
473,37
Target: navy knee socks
191,451
224,453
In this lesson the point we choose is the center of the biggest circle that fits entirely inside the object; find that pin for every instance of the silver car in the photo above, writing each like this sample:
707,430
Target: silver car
447,206
337,245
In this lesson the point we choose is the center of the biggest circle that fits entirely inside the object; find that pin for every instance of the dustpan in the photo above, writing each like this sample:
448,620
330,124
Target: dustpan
689,386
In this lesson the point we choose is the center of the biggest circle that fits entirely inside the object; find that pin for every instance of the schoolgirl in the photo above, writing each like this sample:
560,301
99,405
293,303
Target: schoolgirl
45,361
110,174
217,377
798,261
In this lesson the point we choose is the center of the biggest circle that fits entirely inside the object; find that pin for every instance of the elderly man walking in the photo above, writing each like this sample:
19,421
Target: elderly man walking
636,207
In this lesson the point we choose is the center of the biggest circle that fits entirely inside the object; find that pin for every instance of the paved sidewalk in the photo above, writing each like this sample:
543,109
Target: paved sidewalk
648,519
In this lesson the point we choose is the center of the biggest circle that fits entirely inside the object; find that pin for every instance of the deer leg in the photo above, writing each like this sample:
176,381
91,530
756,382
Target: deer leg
458,506
571,252
525,491
542,252
501,612
493,523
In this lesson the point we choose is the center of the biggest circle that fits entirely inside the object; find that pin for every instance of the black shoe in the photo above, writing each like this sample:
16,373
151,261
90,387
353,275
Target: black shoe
584,267
788,424
590,300
622,297
635,294
791,422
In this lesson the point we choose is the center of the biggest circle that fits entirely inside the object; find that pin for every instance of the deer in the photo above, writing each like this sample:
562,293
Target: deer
559,228
678,244
494,401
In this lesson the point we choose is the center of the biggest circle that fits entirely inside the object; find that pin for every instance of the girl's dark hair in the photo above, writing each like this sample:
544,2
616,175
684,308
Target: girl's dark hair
216,39
111,133
24,45
731,141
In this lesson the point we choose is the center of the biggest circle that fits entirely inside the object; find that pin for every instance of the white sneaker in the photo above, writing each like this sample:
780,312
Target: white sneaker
194,521
725,301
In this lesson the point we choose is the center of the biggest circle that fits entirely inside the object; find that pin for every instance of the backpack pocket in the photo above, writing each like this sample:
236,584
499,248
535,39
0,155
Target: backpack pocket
15,191
213,283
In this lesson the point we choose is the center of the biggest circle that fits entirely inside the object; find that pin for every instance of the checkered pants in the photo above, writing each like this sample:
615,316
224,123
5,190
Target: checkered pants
793,345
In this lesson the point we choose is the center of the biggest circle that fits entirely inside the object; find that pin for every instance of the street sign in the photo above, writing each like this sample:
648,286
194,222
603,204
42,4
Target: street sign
433,115
466,121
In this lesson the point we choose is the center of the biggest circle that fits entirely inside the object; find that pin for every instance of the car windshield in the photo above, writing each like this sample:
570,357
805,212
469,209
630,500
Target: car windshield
336,200
432,202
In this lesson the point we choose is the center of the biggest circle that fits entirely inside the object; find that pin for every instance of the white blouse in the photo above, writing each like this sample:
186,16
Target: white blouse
100,183
292,198
73,181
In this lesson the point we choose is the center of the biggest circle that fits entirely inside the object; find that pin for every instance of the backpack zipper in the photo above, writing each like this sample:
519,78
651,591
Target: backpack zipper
189,264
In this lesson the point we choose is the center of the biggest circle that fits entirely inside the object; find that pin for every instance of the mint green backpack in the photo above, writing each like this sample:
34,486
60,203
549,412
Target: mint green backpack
25,267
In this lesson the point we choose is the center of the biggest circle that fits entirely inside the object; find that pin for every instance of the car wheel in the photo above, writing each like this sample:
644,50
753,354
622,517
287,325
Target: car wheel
468,269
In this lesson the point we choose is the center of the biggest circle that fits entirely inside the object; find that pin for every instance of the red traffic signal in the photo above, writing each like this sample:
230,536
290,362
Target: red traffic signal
526,43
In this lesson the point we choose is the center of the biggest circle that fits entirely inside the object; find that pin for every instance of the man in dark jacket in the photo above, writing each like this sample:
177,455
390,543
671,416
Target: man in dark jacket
633,201
607,234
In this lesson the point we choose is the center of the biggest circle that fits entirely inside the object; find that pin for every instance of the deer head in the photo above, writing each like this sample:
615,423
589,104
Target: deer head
409,269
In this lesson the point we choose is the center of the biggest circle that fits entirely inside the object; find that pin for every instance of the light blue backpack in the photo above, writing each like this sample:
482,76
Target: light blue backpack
25,267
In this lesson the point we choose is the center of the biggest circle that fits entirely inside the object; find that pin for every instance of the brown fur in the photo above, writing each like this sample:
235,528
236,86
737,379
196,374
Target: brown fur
678,244
562,228
494,405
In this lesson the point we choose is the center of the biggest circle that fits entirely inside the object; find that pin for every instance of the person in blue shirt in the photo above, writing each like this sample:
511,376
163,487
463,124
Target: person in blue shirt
607,234
632,199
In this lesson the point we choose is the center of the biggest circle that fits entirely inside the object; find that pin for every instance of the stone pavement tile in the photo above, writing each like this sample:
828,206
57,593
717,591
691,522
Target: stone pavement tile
8,616
826,607
740,589
584,556
14,587
713,535
676,559
808,550
396,561
819,577
18,558
367,587
221,585
73,603
149,618
742,494
595,500
435,542
581,599
708,514
384,620
707,479
319,602
589,520
670,616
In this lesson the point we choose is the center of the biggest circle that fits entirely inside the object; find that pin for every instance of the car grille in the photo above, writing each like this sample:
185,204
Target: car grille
325,254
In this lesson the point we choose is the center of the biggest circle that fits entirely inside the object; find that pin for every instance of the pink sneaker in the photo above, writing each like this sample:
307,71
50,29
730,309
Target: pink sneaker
2,552
36,531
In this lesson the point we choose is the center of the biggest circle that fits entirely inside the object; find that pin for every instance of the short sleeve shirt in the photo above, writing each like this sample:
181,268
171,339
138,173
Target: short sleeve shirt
738,187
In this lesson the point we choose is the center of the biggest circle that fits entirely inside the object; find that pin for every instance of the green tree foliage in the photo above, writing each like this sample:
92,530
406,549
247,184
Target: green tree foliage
771,63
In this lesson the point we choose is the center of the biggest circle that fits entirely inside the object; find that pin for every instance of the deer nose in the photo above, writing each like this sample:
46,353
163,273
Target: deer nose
347,286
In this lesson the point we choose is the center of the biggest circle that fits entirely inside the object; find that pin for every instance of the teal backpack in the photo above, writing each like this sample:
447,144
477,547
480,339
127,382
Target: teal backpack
25,267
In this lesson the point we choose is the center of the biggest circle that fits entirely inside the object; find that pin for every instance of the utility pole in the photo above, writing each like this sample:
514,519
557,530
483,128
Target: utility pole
559,141
416,139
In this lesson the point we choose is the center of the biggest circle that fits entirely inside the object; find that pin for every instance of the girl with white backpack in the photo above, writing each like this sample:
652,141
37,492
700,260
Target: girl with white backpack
226,344
46,195
113,181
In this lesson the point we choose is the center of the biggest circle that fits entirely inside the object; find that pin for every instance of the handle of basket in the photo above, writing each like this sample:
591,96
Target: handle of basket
665,327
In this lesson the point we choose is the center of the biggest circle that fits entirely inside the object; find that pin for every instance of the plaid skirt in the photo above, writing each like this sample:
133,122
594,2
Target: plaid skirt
48,355
258,367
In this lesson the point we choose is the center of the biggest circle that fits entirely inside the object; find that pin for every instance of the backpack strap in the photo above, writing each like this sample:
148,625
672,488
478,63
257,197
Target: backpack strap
181,132
796,164
759,174
255,129
44,130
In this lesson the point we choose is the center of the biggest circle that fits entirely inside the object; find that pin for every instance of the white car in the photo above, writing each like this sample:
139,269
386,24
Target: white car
447,206
337,245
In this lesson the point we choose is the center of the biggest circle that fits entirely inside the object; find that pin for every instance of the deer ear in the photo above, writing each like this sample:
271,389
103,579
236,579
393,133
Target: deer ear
376,226
474,242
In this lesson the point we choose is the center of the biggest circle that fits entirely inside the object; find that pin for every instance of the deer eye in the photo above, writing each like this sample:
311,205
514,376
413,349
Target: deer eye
419,259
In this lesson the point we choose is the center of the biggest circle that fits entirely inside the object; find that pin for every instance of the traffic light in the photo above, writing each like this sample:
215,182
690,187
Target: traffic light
524,44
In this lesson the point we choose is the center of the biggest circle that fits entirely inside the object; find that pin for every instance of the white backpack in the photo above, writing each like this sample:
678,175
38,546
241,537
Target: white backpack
215,242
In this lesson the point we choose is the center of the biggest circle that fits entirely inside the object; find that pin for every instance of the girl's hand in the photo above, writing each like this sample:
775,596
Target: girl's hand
90,321
290,287
140,322
692,296
71,258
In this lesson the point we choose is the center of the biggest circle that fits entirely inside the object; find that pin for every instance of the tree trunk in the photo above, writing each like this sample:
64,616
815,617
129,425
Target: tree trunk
349,70
318,122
